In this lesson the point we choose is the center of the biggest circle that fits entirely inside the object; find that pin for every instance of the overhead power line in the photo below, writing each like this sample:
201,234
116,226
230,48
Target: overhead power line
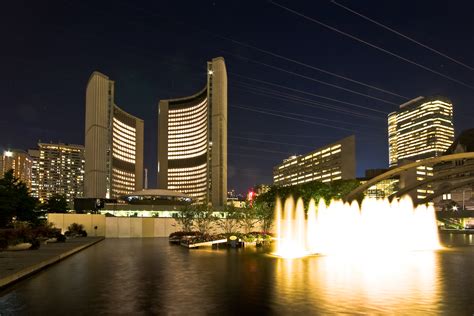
307,102
371,45
313,117
270,141
402,35
310,78
293,89
178,22
293,118
289,96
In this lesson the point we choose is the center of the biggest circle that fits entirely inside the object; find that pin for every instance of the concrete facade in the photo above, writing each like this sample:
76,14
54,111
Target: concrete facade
120,227
116,227
113,143
192,140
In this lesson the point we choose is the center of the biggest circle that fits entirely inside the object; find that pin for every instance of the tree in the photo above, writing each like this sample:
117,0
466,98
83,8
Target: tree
56,204
185,218
311,190
230,221
15,201
265,214
204,218
249,219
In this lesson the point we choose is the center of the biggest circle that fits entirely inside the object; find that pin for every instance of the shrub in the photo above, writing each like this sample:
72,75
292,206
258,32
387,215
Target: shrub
35,244
3,243
61,238
76,230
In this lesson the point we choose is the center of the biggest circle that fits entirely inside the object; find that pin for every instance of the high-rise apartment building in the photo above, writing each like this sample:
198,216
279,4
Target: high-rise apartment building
421,128
113,143
20,162
332,162
57,169
192,140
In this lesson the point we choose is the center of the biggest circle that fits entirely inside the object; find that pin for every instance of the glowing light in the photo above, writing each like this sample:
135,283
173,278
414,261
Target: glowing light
347,229
8,153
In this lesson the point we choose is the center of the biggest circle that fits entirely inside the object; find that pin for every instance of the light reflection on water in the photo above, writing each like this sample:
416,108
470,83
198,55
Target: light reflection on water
360,284
149,276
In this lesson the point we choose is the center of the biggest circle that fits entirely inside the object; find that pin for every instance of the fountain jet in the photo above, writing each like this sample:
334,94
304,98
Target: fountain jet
342,228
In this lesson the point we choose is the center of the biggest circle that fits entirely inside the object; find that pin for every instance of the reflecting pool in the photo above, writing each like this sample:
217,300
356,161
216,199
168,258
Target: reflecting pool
150,276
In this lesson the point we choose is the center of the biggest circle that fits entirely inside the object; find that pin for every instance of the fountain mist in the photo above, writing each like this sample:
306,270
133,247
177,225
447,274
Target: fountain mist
343,228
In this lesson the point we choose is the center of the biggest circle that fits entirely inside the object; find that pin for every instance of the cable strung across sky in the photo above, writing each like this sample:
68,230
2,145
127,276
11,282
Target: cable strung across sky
371,45
292,118
293,89
315,117
306,102
269,91
403,35
266,51
309,78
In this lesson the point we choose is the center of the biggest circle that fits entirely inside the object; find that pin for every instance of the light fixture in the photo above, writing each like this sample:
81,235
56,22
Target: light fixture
8,153
210,72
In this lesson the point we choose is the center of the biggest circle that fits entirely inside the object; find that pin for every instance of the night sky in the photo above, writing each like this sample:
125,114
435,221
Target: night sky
158,49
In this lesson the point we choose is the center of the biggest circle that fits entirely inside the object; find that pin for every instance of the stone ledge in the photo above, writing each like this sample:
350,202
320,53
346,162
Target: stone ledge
36,267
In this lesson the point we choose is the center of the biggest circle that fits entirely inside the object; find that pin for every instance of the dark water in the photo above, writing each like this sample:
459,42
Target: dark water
149,276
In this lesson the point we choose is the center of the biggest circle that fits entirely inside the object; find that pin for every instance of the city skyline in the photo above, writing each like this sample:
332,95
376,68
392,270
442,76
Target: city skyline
139,72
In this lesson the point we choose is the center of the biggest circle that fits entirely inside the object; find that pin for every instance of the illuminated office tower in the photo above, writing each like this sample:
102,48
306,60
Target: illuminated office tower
20,162
57,169
421,128
113,144
332,162
192,140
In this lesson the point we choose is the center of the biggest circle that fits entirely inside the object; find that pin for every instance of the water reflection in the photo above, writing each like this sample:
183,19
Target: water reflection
149,276
344,284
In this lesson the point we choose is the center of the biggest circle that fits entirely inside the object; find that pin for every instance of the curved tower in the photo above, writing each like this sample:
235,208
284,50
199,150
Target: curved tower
113,143
192,140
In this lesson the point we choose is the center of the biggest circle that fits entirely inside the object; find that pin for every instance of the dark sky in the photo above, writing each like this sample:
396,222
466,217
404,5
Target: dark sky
158,49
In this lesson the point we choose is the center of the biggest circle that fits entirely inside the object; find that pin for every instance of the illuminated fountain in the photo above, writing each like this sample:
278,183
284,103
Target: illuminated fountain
343,228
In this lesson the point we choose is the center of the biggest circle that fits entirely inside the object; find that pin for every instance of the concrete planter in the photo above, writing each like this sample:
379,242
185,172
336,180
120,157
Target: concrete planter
20,246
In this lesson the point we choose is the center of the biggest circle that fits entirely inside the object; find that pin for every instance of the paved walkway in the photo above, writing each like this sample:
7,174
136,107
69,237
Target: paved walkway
15,265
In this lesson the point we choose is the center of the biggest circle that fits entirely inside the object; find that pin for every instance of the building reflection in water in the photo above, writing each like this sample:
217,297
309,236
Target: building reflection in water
385,283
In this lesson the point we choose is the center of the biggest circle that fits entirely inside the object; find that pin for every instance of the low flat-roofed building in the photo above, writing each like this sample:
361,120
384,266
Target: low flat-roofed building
148,203
332,162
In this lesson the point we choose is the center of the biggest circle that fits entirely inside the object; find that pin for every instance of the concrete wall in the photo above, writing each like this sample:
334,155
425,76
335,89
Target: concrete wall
118,227
89,221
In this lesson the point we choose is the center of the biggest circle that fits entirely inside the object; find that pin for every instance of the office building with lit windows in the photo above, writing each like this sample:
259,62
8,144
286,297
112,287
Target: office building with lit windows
57,169
192,140
20,162
113,144
332,162
421,128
